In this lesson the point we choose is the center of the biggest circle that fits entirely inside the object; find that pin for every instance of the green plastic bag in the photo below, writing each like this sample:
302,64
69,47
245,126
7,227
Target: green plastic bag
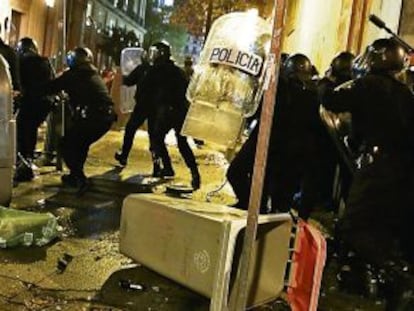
22,228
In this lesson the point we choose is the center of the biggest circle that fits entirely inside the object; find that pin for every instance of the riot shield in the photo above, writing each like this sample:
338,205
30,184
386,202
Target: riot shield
7,134
130,58
228,81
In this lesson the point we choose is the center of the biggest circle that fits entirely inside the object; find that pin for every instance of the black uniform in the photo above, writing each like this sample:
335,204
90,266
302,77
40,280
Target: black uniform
380,205
383,115
10,55
329,156
138,115
290,150
92,115
35,73
165,86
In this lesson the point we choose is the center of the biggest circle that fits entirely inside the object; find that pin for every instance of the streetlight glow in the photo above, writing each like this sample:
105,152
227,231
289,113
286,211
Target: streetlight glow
50,3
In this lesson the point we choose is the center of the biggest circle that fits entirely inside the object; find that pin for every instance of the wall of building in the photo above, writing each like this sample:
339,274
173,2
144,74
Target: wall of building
32,23
389,11
318,29
132,19
76,22
5,16
322,28
407,21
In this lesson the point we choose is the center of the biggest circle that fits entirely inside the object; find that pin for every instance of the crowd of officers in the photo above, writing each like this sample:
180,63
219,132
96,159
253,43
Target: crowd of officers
372,236
162,86
376,88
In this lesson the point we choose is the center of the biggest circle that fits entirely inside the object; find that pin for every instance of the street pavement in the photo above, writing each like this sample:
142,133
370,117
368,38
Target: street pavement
83,268
91,268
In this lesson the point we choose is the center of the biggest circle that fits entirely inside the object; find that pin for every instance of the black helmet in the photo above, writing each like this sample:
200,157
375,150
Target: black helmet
298,66
79,56
341,65
283,57
387,55
26,45
159,51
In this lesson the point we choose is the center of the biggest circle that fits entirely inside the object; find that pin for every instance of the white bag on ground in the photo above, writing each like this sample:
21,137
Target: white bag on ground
26,228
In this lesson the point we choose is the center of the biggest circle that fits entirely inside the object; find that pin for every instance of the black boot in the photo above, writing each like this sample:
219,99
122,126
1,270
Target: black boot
24,170
195,181
69,180
156,166
167,170
167,173
82,185
121,158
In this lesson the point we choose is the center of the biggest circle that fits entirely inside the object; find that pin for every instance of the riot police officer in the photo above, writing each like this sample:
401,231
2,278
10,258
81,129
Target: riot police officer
138,115
380,204
164,87
291,142
339,72
92,117
35,73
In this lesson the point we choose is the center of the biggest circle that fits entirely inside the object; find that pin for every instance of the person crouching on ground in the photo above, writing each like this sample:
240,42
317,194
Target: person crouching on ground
92,113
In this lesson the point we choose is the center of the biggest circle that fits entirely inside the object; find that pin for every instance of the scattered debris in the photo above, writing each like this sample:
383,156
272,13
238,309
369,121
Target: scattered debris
131,266
63,262
129,285
23,228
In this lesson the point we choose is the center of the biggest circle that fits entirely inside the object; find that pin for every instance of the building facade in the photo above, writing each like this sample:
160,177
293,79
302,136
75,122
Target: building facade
193,47
75,22
124,14
322,28
318,28
406,23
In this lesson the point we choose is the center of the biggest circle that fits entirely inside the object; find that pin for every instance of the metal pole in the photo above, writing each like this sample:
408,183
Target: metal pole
59,160
238,299
208,18
64,6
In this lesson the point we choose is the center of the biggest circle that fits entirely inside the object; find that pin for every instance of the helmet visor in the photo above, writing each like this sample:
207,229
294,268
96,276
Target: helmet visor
70,59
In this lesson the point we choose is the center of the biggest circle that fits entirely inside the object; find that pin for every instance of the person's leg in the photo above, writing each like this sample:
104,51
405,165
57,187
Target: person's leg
137,118
239,173
284,176
158,126
24,126
311,189
71,147
94,130
189,159
75,149
160,155
37,119
25,132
